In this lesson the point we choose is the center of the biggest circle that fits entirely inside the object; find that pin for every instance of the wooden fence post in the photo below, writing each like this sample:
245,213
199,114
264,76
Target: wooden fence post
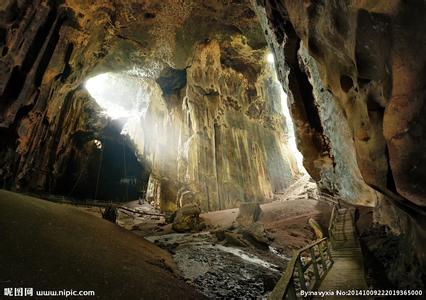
301,274
314,262
323,262
329,252
291,291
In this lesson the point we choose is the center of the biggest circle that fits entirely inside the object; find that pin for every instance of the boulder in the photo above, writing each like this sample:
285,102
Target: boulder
249,213
186,198
110,213
256,235
187,218
234,239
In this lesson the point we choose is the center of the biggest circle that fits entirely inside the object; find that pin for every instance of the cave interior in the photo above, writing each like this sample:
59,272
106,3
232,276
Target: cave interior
221,135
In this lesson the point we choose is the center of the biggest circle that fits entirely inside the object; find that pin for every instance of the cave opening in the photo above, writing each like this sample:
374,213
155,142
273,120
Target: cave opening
119,171
118,94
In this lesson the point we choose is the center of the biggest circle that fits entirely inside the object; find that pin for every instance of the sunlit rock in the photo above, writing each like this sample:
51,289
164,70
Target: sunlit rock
187,218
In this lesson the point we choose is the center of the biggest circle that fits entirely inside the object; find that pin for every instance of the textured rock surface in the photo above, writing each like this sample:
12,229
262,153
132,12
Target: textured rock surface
342,175
212,132
234,145
355,72
187,218
365,61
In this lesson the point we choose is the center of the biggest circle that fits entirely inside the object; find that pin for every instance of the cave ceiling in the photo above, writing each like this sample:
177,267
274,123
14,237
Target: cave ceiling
148,36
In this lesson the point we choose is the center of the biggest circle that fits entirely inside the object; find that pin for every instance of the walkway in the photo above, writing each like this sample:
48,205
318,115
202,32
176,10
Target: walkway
347,272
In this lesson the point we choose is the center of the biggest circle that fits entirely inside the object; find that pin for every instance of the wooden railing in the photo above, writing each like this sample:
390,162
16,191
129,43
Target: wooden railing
335,214
314,258
330,198
333,217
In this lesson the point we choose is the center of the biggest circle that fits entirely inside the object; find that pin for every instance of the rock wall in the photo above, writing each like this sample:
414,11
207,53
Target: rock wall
234,148
355,72
213,131
342,176
224,140
360,48
35,64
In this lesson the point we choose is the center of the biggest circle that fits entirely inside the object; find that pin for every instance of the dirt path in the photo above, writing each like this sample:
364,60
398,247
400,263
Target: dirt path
49,246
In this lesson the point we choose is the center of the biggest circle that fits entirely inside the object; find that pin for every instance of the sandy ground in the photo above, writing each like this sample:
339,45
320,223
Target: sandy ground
50,246
286,218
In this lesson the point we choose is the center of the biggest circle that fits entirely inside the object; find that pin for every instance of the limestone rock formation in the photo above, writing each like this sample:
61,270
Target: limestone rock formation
350,42
211,130
354,73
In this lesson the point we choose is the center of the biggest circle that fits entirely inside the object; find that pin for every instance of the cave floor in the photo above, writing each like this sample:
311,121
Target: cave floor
219,269
50,246
73,247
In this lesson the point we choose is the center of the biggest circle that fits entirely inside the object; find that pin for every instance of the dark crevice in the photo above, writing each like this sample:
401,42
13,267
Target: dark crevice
390,182
171,80
47,55
149,15
15,84
305,89
346,83
22,112
38,41
298,81
3,36
19,73
4,51
363,81
374,106
304,108
189,123
67,69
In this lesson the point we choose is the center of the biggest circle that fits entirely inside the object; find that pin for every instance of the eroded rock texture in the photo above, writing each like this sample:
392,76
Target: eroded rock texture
355,73
234,149
212,131
360,48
